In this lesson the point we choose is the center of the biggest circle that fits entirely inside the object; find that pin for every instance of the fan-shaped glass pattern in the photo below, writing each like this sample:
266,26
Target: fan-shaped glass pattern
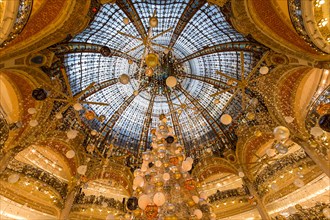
127,119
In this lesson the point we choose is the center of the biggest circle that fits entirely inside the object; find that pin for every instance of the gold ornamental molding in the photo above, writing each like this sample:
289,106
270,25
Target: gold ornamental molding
281,88
260,19
19,195
210,166
49,25
217,2
313,173
120,173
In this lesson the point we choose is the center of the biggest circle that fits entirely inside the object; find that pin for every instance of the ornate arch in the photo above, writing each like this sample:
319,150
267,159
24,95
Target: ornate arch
212,165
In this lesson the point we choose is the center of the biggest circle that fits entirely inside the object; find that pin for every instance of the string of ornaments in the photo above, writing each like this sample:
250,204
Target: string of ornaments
163,187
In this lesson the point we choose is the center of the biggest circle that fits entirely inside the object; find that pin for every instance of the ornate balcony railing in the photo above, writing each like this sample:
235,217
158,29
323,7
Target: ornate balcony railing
223,195
315,212
4,128
297,20
292,160
82,199
38,174
24,11
312,118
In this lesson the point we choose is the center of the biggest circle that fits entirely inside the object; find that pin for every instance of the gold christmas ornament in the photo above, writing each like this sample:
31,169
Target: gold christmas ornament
152,60
149,72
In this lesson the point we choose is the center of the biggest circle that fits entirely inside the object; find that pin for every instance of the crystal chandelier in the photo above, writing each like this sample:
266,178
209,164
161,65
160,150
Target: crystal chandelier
163,187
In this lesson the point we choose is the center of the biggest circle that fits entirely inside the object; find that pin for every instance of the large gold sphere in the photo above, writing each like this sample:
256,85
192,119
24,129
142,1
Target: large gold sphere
171,82
124,79
177,175
152,60
191,203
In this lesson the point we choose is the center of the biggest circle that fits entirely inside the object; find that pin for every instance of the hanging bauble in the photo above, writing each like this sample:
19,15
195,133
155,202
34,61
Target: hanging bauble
146,155
274,186
316,131
71,134
126,20
281,148
324,122
230,82
70,154
124,79
130,62
137,172
250,116
138,181
58,115
186,166
263,70
90,148
171,81
174,160
110,217
89,115
166,176
39,94
281,133
196,199
105,51
158,163
132,203
169,139
153,21
254,101
135,92
216,101
190,160
190,184
159,198
226,119
13,178
102,118
203,195
149,72
82,169
93,132
143,201
151,211
161,117
127,216
326,212
77,106
241,174
288,119
198,213
32,111
152,60
33,123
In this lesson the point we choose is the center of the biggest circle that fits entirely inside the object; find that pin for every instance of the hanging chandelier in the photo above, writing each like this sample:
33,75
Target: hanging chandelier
163,187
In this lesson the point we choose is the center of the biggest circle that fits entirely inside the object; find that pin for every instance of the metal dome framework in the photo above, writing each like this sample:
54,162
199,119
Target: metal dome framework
201,39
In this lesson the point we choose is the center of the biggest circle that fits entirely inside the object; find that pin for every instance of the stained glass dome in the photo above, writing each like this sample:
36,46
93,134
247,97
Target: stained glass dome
201,40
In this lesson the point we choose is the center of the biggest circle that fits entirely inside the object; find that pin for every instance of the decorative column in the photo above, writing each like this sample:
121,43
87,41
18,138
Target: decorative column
69,202
319,160
260,206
